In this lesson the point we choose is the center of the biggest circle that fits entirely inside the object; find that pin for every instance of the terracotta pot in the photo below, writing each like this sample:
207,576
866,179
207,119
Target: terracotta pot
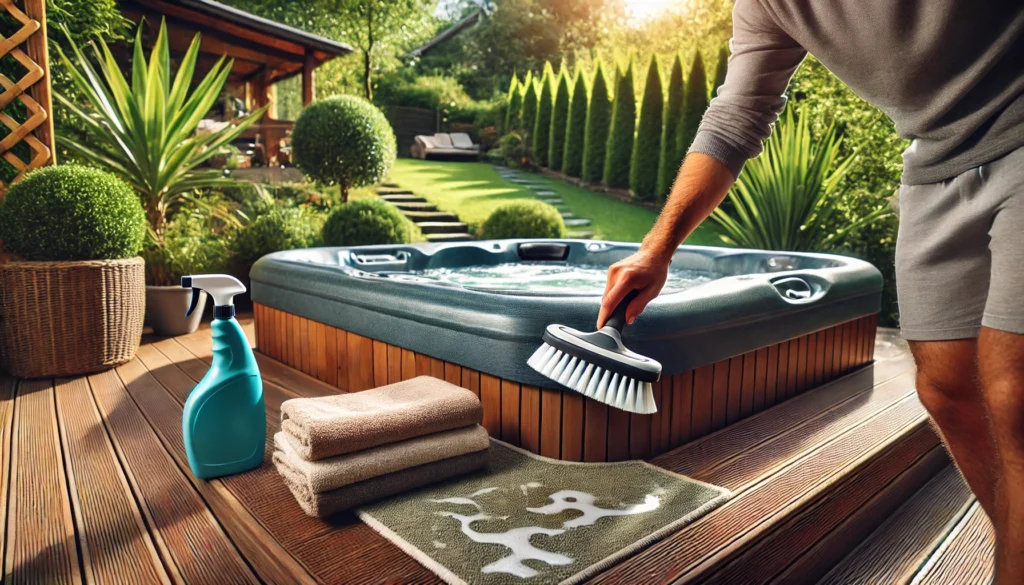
166,307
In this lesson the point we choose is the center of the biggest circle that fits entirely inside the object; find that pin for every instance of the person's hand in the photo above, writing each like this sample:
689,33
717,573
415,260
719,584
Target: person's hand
644,271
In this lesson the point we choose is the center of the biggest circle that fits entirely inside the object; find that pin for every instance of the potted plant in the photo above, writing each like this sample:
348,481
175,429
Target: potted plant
72,300
145,131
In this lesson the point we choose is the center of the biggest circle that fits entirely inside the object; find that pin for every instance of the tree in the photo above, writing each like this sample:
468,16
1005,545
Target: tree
695,104
542,126
720,69
576,128
599,117
643,169
514,113
671,157
620,138
530,103
559,122
369,24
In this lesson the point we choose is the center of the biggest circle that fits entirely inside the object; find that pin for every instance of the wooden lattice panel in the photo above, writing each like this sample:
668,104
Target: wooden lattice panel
28,47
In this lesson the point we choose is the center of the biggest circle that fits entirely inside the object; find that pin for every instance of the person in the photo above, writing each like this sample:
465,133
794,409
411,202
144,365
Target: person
950,75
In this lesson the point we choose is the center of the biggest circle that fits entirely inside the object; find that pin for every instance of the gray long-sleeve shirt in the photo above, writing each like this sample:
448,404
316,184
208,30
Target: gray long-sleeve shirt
950,74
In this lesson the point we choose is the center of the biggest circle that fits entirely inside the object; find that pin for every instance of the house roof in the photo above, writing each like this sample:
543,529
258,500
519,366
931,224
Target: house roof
447,33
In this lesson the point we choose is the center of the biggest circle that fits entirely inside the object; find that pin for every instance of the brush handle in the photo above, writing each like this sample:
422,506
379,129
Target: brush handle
618,317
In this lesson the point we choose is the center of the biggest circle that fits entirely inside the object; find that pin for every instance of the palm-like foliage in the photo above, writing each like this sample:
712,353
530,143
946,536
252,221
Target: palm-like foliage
785,199
145,132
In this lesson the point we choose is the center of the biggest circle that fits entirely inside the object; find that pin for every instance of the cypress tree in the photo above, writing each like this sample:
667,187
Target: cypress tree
695,104
576,129
542,126
514,111
529,108
670,155
620,138
559,119
720,69
643,166
599,116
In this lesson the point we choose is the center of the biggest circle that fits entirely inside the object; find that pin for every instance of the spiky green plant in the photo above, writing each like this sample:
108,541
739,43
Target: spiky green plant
559,121
620,138
514,110
694,106
145,132
599,118
785,199
576,128
643,165
531,100
542,125
671,157
720,69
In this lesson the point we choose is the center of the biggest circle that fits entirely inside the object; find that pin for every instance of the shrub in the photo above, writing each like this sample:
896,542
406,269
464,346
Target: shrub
576,129
620,137
514,113
523,219
343,140
599,117
72,213
695,104
671,157
514,152
721,67
643,166
278,229
366,222
559,119
531,102
189,246
542,126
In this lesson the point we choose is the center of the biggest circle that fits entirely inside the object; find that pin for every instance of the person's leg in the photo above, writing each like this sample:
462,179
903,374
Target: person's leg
947,384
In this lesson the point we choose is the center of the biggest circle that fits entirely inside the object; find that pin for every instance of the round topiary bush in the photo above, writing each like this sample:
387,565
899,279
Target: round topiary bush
72,213
278,229
366,222
343,140
523,219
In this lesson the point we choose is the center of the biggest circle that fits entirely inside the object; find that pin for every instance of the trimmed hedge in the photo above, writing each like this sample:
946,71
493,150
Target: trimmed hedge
576,129
620,138
279,229
643,166
72,213
523,219
559,120
344,140
671,157
720,70
542,126
514,114
530,104
695,104
599,118
366,222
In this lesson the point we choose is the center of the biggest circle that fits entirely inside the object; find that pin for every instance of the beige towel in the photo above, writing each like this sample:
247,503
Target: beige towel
335,472
335,425
356,494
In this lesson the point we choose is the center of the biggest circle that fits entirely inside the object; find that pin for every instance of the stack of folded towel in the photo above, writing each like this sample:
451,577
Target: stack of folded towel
338,452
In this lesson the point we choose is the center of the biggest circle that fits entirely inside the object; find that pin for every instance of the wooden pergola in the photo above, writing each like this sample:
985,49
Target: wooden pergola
264,52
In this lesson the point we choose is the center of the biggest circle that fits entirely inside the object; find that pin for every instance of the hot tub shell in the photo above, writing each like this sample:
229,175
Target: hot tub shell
776,325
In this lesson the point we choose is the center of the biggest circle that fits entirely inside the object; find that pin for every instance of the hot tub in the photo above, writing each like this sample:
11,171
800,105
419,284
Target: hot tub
735,330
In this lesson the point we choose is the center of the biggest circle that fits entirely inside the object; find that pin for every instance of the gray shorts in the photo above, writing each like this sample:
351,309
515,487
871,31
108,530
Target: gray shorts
960,253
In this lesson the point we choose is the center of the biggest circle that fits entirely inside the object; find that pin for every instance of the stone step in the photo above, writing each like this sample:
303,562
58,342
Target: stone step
419,217
577,222
403,198
390,184
567,215
544,192
551,200
393,191
442,227
463,237
415,206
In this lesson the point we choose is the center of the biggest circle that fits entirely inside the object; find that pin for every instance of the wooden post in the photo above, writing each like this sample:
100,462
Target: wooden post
308,79
35,47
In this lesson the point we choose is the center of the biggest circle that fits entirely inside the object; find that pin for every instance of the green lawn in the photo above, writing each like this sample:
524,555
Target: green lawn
474,190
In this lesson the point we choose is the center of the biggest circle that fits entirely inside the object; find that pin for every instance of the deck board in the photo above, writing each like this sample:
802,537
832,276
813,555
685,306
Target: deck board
966,558
7,389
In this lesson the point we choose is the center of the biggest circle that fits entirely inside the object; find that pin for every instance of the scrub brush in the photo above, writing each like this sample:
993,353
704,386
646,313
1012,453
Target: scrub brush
598,365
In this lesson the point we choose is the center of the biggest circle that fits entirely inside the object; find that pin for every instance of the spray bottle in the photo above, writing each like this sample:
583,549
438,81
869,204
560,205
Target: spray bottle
224,422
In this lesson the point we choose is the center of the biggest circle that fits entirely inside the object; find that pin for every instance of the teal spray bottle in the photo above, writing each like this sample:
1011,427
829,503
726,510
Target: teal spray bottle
224,422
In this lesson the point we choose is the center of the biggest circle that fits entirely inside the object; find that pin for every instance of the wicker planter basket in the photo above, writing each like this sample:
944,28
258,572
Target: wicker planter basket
70,318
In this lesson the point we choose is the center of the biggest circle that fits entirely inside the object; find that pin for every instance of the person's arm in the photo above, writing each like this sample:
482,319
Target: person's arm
732,130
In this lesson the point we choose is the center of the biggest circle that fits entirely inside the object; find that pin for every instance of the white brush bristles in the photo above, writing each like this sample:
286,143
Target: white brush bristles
622,392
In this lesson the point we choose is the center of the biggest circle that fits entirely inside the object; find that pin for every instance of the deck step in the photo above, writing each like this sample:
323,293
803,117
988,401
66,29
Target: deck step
415,206
463,237
442,227
965,557
419,217
895,551
403,198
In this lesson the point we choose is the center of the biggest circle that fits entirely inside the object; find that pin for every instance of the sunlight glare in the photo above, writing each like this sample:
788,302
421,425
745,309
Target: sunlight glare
641,10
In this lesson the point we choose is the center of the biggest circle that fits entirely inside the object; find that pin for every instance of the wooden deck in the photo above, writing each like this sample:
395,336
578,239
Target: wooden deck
97,490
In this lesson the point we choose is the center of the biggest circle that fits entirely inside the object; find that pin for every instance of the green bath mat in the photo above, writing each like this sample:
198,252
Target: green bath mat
532,520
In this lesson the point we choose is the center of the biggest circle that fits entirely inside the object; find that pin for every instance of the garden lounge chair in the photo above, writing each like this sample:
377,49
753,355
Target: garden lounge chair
445,146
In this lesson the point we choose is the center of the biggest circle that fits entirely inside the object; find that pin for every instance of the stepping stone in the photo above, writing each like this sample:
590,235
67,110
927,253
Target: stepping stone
555,201
403,198
577,222
463,237
442,227
567,215
419,217
415,206
545,192
580,235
